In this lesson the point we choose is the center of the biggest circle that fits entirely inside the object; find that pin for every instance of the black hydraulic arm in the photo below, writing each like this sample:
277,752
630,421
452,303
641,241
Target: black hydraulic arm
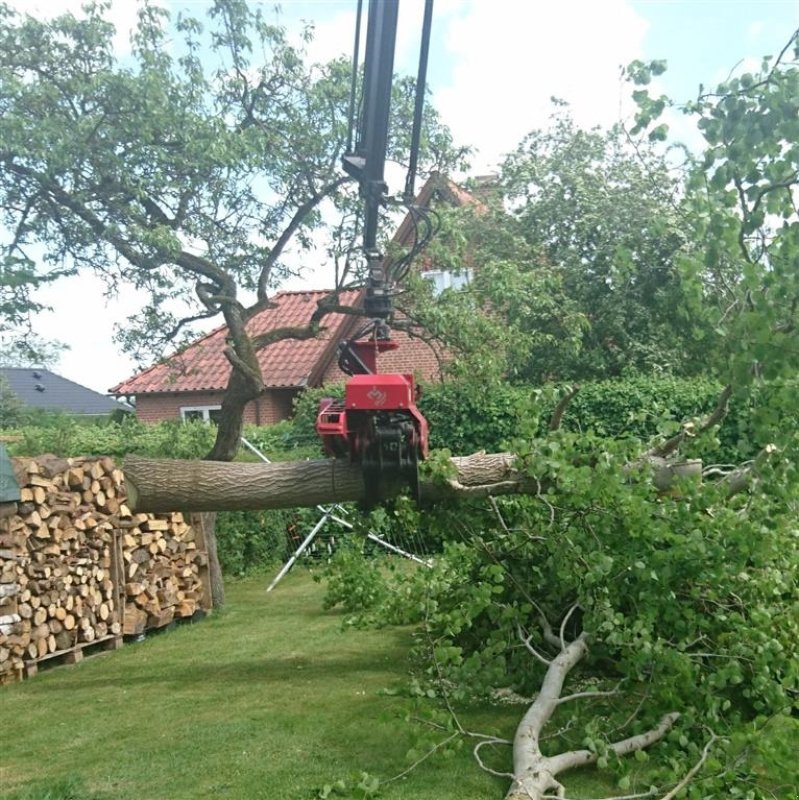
366,161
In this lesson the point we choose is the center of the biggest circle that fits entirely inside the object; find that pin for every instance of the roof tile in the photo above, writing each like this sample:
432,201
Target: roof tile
202,366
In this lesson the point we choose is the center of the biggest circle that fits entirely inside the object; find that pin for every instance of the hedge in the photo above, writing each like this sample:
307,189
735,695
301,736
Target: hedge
463,417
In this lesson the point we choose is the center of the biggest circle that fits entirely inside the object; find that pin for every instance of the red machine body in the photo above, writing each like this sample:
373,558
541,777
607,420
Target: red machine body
344,425
377,424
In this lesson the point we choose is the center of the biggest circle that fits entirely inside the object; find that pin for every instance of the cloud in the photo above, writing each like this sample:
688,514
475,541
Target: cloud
123,14
509,58
334,31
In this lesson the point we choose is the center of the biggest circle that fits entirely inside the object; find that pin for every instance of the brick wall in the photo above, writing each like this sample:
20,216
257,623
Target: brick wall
413,356
273,406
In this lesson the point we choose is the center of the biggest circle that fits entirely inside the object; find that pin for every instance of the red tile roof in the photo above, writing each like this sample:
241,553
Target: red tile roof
202,366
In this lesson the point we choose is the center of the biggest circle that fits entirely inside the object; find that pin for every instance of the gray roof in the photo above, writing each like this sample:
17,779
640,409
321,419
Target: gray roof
40,388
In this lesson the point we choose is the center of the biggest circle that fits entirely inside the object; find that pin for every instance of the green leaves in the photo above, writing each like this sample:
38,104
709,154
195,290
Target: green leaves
360,787
740,202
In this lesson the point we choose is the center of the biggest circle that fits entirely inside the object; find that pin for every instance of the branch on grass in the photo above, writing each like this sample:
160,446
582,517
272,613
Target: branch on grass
635,796
583,695
691,774
535,775
424,758
482,765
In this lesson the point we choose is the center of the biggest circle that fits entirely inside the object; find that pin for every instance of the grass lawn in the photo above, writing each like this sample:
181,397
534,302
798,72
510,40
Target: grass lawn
270,699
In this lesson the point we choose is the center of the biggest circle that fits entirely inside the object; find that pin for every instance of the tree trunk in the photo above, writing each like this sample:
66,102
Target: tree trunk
215,486
241,389
205,524
155,485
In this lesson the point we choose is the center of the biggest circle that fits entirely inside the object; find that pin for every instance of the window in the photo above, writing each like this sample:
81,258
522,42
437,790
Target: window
444,279
201,413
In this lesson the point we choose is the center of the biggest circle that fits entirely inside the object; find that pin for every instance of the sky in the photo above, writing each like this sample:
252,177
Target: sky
494,65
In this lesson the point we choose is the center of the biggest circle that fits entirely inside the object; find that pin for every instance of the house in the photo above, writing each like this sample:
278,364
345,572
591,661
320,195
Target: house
191,384
42,389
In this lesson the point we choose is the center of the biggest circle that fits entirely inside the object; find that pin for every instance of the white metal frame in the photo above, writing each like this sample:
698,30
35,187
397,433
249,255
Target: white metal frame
336,513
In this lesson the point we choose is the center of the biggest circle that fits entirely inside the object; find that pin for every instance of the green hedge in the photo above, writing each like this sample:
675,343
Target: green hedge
66,436
463,418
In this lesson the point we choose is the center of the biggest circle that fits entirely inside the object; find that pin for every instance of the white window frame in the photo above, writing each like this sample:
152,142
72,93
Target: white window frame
447,279
204,410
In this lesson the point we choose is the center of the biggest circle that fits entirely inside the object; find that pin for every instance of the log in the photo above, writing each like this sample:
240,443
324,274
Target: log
160,485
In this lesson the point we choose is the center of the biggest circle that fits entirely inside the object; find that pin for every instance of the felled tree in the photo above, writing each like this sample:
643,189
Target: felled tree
677,611
184,169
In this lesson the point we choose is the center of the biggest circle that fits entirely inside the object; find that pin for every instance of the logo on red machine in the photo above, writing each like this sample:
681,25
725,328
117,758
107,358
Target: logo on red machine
376,396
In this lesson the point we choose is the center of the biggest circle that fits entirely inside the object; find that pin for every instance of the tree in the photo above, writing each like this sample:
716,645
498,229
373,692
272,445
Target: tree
576,253
11,408
742,209
29,350
608,215
184,170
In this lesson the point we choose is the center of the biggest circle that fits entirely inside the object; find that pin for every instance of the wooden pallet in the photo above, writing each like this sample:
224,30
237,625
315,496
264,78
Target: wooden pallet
76,654
12,676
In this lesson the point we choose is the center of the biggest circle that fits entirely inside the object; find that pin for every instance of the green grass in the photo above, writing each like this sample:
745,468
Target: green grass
270,699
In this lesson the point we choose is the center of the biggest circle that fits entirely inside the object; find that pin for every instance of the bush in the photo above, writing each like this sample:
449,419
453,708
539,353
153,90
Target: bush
465,417
250,541
67,436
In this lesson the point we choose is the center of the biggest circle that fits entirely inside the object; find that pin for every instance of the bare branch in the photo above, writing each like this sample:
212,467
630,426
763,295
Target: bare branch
636,796
427,755
560,408
740,479
760,84
715,418
294,223
525,640
564,623
582,695
480,763
689,776
288,332
578,758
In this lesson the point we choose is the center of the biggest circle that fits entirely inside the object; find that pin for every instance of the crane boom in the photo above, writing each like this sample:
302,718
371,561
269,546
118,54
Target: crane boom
377,423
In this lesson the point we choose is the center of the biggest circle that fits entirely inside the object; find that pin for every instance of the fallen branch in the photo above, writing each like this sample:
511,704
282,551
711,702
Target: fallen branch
689,776
560,408
535,775
688,429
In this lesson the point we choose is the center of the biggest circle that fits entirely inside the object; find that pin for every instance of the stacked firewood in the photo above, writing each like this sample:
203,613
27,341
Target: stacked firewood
59,560
77,567
11,644
164,570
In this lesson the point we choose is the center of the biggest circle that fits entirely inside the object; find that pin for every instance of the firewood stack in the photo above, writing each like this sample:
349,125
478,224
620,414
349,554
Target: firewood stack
77,567
164,570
